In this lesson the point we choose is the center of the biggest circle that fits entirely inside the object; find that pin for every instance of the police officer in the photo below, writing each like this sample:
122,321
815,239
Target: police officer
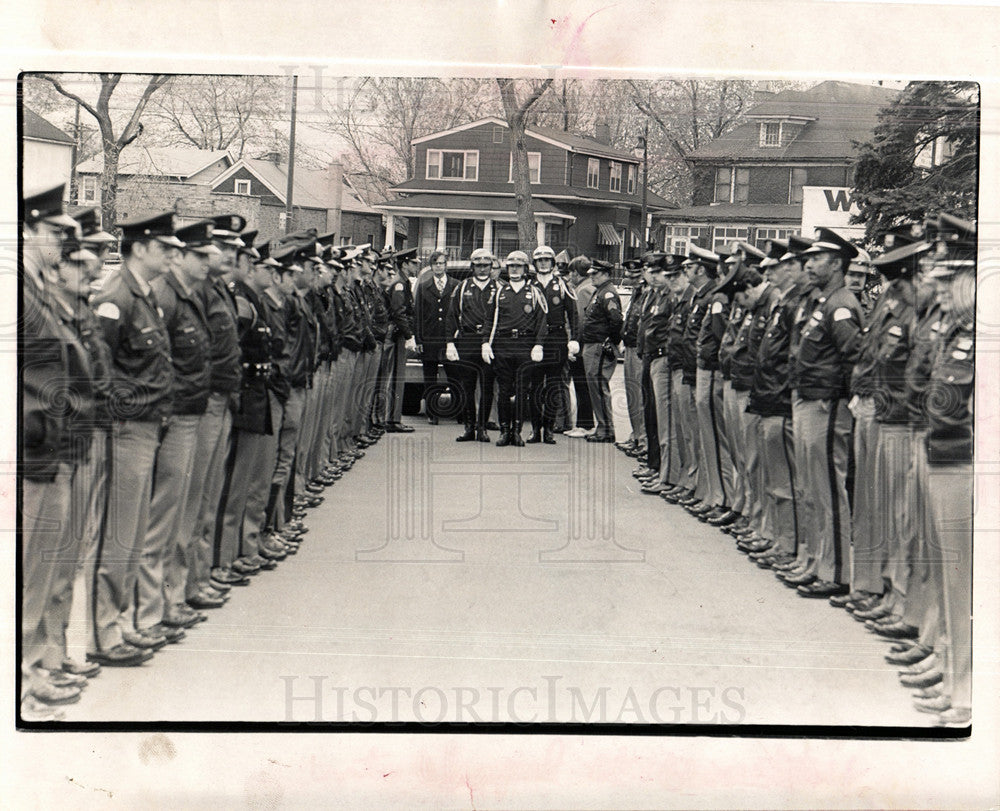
561,340
820,377
467,328
142,379
160,610
600,333
401,315
431,299
514,344
634,280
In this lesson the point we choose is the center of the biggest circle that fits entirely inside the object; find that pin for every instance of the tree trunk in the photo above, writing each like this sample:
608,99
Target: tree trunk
109,186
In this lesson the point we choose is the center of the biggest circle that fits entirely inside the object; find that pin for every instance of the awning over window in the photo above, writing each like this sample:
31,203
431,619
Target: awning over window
607,234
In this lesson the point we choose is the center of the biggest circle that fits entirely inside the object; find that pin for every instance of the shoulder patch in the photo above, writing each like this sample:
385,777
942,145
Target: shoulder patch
965,343
108,309
896,331
841,314
398,286
609,294
716,308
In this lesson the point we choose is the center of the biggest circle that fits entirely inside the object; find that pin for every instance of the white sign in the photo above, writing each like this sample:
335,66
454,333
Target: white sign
831,207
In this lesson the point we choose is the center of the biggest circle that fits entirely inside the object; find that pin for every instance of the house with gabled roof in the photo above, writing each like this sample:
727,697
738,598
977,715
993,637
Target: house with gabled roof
587,194
750,182
47,152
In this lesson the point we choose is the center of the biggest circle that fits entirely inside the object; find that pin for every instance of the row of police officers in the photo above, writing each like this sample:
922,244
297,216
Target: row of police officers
178,422
817,405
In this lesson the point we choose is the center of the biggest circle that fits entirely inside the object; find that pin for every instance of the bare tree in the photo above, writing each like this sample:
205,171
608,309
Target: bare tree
218,112
111,143
516,111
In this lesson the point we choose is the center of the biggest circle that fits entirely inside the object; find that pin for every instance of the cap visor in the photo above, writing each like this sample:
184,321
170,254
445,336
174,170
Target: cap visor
172,241
63,220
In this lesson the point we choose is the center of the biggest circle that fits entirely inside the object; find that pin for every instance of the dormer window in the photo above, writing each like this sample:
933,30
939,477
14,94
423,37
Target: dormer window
770,133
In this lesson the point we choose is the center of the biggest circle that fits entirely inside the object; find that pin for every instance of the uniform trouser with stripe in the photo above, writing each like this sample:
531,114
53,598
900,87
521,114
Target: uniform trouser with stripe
308,454
804,497
894,527
284,458
633,395
325,430
374,363
924,597
211,444
777,468
305,441
581,389
86,508
683,450
382,404
45,510
397,381
546,383
660,385
868,550
949,514
599,369
760,519
651,427
736,482
116,559
826,428
343,374
708,405
171,482
249,466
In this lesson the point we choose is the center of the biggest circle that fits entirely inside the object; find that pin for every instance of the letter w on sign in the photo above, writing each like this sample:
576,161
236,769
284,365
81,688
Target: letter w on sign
839,201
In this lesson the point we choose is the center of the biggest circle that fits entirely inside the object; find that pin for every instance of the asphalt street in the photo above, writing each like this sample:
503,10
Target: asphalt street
466,582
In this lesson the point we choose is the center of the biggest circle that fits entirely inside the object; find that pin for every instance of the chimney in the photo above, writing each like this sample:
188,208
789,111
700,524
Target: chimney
602,132
335,196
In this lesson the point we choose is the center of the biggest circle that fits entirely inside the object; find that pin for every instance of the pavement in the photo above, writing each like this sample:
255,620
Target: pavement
465,582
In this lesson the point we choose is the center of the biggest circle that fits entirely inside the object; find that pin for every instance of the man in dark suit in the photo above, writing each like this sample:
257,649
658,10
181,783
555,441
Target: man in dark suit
430,306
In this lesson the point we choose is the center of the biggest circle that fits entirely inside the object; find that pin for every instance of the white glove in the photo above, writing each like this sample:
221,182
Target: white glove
574,349
852,406
487,353
451,353
536,353
621,347
411,344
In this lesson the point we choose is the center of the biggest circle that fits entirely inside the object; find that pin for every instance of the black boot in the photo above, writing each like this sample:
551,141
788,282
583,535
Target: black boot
547,437
535,436
515,436
481,435
469,435
505,437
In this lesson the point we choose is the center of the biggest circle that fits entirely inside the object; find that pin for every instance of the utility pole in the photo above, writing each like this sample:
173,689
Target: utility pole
291,158
75,156
645,186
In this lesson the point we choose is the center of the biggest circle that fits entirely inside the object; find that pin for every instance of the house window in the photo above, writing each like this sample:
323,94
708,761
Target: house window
449,164
593,173
498,135
282,221
723,184
762,235
242,187
770,133
534,167
678,238
724,237
631,179
88,189
741,188
615,183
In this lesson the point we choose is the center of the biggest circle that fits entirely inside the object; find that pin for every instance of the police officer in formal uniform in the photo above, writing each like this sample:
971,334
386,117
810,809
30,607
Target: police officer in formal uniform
635,281
467,328
656,321
351,332
770,402
702,273
142,376
160,610
820,378
378,311
561,340
600,333
47,439
517,328
363,379
401,315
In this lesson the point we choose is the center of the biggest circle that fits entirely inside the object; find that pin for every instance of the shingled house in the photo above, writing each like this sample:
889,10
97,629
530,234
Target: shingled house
749,182
587,194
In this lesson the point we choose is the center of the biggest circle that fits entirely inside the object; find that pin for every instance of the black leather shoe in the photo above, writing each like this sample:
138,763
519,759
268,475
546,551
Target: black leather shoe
432,420
515,439
908,657
204,601
878,611
534,438
799,580
468,436
547,437
822,588
146,640
492,426
504,440
898,630
841,600
928,679
482,436
172,635
122,655
606,439
724,519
